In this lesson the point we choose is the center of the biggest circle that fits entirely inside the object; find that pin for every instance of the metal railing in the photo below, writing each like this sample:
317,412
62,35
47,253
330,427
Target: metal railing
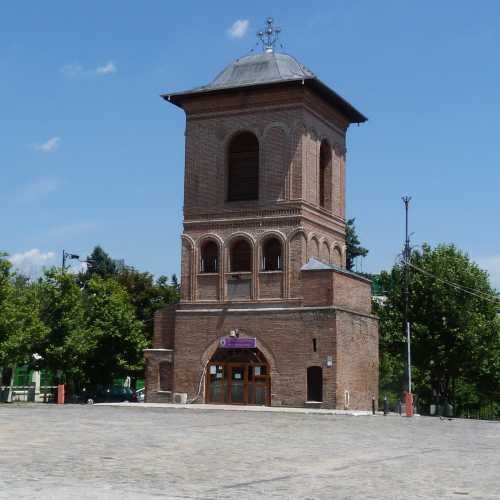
28,393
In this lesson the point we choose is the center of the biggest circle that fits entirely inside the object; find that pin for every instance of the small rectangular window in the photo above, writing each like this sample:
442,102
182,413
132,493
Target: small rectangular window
315,345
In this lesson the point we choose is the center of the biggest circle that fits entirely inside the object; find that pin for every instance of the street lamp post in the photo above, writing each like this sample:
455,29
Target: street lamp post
68,256
407,254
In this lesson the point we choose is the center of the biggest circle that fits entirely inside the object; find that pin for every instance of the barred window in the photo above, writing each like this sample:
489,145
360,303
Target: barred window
209,257
271,255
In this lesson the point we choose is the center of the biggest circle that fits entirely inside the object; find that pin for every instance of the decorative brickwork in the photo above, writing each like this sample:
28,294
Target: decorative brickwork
300,319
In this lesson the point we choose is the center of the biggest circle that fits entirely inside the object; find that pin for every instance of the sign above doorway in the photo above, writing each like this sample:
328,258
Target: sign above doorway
238,342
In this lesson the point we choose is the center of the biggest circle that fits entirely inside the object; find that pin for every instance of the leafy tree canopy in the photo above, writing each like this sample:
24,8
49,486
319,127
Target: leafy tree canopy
455,328
21,328
100,264
353,244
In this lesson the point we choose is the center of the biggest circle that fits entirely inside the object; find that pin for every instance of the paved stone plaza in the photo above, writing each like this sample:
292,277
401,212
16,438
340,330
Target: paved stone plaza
87,452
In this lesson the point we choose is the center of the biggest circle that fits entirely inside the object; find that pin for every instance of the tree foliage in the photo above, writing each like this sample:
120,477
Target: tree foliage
21,328
115,339
63,311
147,295
88,328
353,244
455,329
99,263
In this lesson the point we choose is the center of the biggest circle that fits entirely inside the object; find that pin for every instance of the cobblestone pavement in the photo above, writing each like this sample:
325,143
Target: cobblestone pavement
87,452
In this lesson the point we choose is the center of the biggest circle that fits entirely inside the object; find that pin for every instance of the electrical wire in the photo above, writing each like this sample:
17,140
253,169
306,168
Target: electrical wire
470,291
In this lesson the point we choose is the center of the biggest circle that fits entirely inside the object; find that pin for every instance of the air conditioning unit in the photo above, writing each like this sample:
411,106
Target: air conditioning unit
180,398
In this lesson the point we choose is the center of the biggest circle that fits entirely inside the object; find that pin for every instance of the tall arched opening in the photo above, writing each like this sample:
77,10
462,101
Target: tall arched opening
243,168
238,376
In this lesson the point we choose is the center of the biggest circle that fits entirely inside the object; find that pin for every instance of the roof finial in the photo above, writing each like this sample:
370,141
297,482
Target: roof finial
269,36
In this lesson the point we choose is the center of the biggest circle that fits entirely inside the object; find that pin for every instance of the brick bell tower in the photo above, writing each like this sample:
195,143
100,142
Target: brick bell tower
268,312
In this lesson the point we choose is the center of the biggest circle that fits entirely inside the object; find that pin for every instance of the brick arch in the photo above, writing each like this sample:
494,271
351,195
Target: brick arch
230,136
325,175
231,191
261,345
240,235
313,247
202,240
272,232
337,255
297,257
210,236
272,286
297,133
324,251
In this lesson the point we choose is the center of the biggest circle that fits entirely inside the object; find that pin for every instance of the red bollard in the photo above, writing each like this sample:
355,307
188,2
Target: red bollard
60,394
409,404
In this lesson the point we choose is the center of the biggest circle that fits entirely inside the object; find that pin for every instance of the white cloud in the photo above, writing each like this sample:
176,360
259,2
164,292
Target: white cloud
492,265
32,262
107,69
238,29
38,188
49,146
71,70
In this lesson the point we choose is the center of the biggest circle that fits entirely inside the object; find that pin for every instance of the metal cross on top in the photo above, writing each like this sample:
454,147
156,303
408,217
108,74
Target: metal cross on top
269,36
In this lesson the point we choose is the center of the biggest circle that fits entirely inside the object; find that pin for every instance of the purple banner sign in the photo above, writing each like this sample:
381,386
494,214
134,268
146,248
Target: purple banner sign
238,342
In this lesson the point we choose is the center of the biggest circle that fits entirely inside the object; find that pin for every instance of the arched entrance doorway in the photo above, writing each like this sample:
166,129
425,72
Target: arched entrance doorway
238,376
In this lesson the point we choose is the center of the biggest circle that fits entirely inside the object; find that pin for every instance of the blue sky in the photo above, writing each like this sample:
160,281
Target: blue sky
90,154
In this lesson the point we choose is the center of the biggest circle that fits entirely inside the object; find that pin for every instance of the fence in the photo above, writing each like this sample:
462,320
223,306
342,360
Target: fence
28,393
486,412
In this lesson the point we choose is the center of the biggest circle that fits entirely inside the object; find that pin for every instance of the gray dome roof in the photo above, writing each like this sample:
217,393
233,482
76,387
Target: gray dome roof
266,67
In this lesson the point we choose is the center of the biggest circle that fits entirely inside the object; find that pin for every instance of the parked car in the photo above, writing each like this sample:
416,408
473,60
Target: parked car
115,394
139,394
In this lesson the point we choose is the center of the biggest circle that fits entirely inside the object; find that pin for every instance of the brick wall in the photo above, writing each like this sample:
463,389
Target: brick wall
164,327
286,338
336,288
357,359
290,123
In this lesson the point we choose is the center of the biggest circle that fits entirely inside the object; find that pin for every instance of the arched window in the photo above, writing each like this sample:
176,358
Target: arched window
243,168
325,175
209,257
271,255
241,256
314,383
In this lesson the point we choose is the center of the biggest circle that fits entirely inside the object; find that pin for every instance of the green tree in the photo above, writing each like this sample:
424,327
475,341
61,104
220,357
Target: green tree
146,295
353,244
21,330
100,264
67,343
114,334
455,329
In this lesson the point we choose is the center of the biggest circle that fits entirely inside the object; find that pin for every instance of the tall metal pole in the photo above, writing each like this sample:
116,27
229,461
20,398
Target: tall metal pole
407,252
64,261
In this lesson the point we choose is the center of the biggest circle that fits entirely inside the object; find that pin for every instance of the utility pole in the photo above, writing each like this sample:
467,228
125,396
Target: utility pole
407,254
